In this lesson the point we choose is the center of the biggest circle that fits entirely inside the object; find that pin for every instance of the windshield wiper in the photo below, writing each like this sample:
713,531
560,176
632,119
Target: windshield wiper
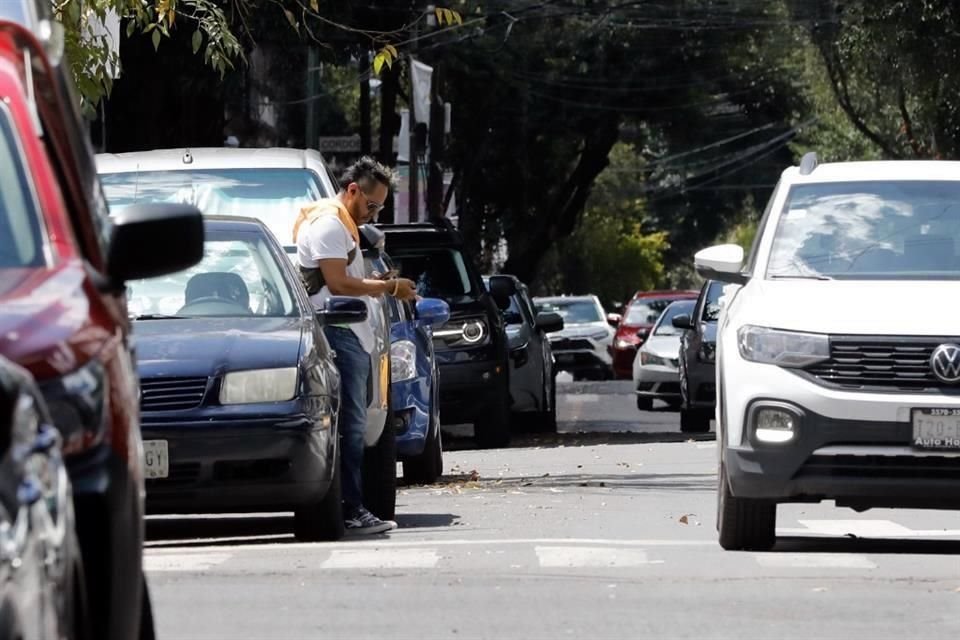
799,277
157,316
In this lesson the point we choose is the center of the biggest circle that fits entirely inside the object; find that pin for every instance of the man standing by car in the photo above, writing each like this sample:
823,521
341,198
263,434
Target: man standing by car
331,263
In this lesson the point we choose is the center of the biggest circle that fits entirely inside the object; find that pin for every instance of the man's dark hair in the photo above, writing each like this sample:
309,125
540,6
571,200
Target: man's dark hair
366,171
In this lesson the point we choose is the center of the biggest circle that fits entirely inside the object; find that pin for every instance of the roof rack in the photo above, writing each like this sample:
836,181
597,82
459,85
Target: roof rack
808,163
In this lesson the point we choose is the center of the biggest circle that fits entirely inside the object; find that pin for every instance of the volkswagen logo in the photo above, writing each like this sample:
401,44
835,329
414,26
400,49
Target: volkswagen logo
945,363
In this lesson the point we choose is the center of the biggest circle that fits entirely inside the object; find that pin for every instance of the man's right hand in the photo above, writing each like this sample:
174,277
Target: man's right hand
406,289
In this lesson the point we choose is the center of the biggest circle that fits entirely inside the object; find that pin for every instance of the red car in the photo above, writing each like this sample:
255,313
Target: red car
63,315
638,318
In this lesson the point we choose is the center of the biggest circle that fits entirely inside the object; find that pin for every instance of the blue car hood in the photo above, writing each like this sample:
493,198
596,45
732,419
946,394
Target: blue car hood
209,346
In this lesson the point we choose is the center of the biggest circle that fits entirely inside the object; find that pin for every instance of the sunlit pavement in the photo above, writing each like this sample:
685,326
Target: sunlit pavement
595,535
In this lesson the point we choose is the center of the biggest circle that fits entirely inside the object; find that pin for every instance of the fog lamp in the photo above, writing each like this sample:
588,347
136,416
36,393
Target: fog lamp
772,425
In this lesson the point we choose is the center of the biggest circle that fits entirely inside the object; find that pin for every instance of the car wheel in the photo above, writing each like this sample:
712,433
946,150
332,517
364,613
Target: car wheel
428,466
492,429
744,524
323,522
547,420
644,403
380,473
147,631
694,421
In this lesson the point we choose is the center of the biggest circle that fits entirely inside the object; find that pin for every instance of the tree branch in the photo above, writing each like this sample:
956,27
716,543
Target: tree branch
907,123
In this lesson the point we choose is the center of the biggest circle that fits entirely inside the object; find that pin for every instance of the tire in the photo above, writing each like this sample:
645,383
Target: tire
694,421
546,421
427,467
492,429
380,473
147,631
644,403
744,524
323,522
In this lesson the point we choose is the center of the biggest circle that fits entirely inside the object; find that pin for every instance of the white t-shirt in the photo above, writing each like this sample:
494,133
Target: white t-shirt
326,237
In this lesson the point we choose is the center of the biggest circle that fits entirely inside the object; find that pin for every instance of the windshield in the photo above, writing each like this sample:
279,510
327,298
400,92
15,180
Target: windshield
711,307
239,276
21,243
439,273
869,230
665,323
573,311
274,196
646,311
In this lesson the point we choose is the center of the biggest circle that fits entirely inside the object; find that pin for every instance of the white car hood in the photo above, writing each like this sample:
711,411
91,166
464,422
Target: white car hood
898,308
663,346
583,330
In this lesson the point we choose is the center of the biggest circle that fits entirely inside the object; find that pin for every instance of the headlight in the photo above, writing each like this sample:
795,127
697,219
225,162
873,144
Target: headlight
650,359
599,335
624,344
782,348
263,385
403,360
464,333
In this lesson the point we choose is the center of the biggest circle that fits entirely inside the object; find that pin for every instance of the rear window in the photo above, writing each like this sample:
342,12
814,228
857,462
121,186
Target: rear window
647,310
438,273
21,241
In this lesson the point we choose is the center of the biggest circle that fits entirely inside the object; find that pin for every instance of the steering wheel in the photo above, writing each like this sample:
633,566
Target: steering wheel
212,306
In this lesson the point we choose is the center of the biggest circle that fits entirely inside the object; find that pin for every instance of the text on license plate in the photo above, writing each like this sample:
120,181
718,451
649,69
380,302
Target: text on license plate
936,428
156,459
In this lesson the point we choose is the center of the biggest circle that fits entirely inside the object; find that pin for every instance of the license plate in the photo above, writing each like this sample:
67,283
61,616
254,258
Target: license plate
565,358
936,428
156,459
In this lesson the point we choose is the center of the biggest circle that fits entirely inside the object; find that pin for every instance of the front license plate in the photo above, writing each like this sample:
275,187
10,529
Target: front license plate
565,358
936,428
156,459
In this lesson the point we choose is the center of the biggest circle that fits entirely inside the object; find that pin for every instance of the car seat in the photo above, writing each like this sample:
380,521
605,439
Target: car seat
218,284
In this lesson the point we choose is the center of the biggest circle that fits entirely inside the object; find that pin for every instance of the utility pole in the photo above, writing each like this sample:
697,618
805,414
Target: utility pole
437,143
313,88
414,166
365,117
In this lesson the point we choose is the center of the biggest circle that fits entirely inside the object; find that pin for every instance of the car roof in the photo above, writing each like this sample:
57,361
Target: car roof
205,158
680,294
421,234
234,223
876,170
578,298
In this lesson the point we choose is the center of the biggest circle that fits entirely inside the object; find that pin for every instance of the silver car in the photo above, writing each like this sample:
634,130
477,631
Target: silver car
656,368
270,185
582,348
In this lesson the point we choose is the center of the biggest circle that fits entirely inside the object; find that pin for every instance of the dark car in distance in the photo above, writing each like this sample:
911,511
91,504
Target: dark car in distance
698,346
471,348
240,393
63,265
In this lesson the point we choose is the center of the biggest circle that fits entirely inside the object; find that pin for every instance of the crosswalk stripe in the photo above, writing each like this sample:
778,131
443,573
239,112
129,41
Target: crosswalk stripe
574,557
183,561
814,561
383,558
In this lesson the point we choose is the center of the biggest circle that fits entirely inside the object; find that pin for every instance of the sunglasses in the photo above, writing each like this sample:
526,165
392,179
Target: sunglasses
372,205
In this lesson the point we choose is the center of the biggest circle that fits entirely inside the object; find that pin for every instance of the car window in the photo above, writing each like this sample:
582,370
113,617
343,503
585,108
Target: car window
711,307
239,276
646,310
21,238
664,325
273,196
573,311
869,230
438,273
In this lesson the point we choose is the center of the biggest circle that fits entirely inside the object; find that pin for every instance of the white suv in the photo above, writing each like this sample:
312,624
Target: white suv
838,350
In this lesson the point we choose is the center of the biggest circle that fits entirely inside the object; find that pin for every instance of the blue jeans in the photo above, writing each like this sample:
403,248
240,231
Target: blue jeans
354,366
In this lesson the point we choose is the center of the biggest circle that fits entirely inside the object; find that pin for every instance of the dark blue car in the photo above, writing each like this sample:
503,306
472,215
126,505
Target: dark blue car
239,391
414,387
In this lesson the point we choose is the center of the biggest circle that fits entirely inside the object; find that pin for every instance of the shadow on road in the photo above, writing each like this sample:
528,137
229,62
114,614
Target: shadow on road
853,544
425,520
456,442
187,531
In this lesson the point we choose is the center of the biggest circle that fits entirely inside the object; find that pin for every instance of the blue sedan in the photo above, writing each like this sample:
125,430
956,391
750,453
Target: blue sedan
414,389
240,394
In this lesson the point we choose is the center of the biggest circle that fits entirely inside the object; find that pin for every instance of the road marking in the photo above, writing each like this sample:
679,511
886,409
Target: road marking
381,559
859,528
707,445
814,561
180,561
575,557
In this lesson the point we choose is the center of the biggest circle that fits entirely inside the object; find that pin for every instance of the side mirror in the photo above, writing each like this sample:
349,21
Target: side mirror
433,312
342,310
549,322
642,332
613,319
682,322
154,239
722,262
502,288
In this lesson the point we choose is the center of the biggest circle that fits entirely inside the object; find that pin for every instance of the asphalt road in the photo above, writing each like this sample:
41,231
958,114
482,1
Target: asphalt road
597,535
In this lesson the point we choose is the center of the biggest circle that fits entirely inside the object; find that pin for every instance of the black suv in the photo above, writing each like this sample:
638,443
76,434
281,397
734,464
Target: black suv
471,349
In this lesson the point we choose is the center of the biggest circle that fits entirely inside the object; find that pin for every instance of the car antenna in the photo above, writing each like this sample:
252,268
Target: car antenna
187,157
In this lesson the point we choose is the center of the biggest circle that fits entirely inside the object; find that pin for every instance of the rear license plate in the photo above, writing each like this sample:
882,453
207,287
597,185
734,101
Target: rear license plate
936,428
156,459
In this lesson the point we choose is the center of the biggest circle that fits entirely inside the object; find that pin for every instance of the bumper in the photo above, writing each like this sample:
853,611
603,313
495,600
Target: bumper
241,465
411,408
469,389
658,382
110,531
